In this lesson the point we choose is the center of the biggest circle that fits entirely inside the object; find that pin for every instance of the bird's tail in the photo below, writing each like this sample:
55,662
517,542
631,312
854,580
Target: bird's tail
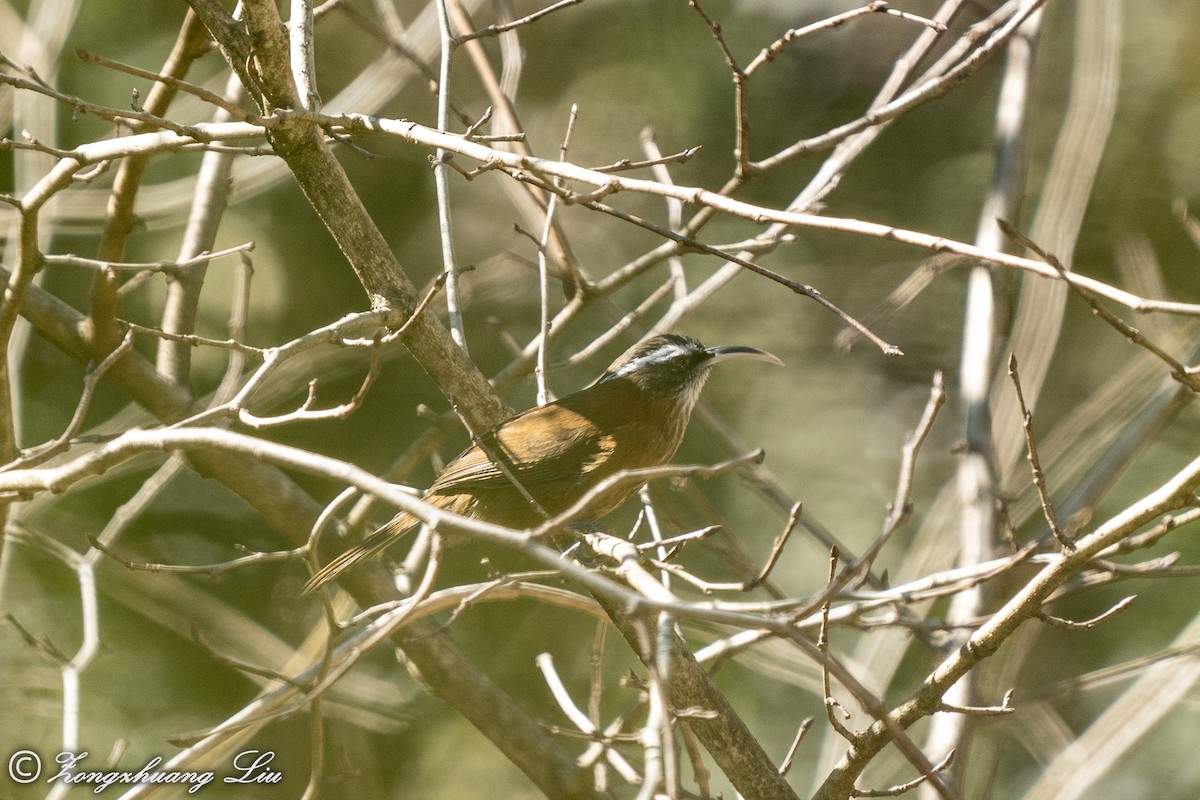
377,542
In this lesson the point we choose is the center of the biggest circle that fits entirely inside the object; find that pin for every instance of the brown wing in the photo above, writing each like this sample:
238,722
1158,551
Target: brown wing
544,444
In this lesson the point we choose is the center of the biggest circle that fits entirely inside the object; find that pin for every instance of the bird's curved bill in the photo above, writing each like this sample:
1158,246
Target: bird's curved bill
732,351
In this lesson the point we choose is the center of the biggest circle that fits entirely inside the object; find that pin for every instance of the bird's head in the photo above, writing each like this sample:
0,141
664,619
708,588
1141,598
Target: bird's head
676,366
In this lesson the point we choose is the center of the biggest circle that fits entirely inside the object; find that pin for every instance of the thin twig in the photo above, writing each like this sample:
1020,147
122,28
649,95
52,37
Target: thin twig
680,539
708,587
1188,376
213,571
903,788
175,83
772,51
441,185
62,443
674,213
1004,709
795,286
626,165
539,370
94,152
620,326
1039,479
900,506
1087,624
741,146
157,266
545,663
79,105
197,341
494,30
929,89
831,705
786,766
625,477
39,642
242,666
307,409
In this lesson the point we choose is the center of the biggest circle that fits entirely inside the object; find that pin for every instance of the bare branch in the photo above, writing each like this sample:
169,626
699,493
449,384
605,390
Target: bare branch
786,766
1188,376
1039,480
903,788
169,80
1003,709
494,30
772,51
1088,624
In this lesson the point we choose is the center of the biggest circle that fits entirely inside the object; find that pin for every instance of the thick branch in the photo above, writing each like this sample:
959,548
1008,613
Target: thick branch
1179,492
292,512
301,144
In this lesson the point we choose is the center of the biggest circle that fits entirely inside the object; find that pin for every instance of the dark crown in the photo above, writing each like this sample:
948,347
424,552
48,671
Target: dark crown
666,363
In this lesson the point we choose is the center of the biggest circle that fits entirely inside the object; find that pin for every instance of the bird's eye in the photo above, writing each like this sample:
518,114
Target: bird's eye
676,360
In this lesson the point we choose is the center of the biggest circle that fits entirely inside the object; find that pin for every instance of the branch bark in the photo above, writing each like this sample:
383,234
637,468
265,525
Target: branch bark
450,674
1177,493
722,731
301,144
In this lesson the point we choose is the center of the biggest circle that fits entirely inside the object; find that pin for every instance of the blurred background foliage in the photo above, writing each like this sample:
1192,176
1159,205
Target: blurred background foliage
832,421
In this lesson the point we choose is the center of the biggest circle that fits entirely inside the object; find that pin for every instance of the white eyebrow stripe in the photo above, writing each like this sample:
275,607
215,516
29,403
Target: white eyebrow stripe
659,355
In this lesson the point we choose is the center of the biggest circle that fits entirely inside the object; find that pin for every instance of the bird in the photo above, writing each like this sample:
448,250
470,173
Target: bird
632,417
